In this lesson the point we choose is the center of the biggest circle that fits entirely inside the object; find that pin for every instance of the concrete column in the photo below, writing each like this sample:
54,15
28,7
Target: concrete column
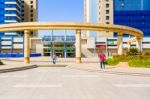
120,43
27,47
129,45
138,43
78,46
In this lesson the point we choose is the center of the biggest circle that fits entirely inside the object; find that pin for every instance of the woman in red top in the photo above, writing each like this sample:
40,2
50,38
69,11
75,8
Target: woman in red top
102,59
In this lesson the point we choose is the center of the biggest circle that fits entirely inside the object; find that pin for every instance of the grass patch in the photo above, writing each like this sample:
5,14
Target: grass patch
139,63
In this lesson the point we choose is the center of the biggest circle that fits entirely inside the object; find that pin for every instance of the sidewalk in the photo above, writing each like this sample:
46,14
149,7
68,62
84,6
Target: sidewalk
89,64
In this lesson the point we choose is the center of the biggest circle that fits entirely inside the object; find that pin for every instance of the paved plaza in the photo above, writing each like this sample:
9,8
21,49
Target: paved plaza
69,82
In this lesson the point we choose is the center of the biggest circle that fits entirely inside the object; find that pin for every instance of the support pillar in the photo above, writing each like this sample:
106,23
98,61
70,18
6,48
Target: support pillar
138,43
120,43
78,46
129,45
27,47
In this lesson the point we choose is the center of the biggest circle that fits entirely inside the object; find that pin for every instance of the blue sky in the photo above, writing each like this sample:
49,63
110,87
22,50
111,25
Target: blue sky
60,10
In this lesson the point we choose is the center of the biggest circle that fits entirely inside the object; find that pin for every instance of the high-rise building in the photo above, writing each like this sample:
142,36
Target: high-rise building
30,12
134,13
16,11
2,11
10,12
98,11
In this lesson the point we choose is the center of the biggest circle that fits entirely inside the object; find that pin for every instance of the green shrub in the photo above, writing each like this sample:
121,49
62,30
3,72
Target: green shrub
122,58
1,63
133,51
112,61
146,53
133,57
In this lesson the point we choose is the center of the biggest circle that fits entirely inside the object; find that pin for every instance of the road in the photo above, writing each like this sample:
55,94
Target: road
67,83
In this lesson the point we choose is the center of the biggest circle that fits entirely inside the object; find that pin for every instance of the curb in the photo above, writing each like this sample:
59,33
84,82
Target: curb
53,65
18,69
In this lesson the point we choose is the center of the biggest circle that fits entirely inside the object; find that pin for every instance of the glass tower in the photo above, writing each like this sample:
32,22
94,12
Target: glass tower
134,13
2,7
10,12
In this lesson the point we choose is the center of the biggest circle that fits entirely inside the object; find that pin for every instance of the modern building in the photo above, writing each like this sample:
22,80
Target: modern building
29,10
2,11
16,11
98,11
30,13
134,13
61,46
10,12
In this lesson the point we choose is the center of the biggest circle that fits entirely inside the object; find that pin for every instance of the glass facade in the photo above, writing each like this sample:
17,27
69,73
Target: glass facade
61,46
2,14
10,12
134,13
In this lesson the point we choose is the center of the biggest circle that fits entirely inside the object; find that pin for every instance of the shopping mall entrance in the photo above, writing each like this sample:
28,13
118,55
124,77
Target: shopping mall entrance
61,46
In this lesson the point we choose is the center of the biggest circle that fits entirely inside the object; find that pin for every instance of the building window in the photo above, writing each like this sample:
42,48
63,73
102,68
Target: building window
107,17
107,11
107,0
107,5
31,15
31,2
107,22
31,19
31,6
31,10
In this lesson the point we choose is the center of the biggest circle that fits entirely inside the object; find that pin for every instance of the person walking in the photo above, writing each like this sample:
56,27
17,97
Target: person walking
102,59
54,59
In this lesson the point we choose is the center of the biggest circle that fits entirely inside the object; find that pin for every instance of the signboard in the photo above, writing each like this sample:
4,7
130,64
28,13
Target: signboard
101,46
111,42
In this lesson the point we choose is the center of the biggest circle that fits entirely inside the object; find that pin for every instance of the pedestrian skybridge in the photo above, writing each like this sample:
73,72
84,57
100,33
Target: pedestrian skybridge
27,27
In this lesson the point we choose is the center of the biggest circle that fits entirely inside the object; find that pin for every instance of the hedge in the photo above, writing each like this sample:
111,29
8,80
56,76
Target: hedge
112,61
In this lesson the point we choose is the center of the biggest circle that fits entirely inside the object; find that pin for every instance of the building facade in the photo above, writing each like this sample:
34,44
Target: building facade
134,13
10,12
16,11
30,13
2,11
29,10
98,11
61,46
